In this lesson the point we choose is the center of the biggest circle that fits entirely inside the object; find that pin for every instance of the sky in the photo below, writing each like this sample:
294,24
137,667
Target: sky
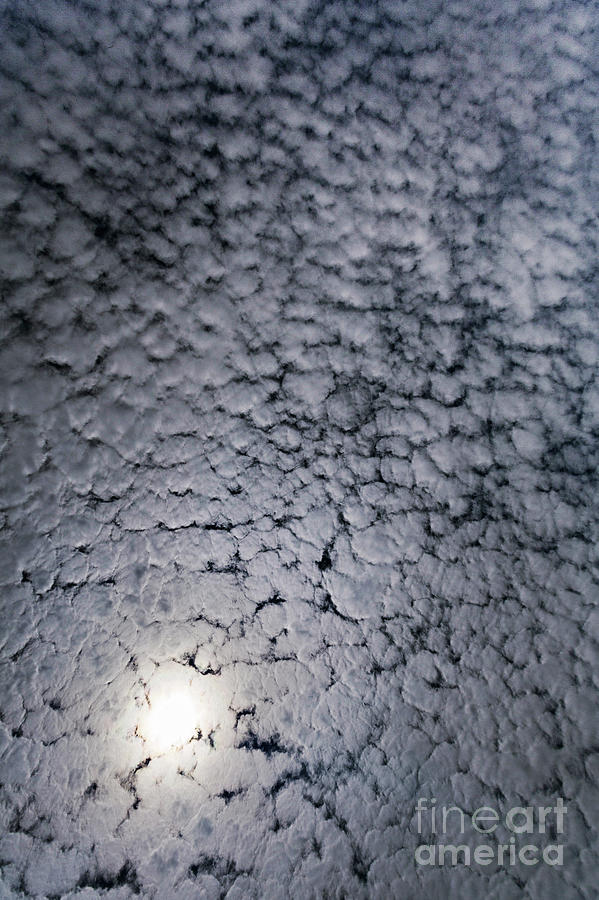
299,436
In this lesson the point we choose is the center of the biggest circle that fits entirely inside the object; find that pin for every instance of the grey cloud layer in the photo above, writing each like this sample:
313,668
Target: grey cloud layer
300,394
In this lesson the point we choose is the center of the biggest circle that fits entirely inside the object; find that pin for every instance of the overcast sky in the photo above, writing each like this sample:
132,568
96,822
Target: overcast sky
299,431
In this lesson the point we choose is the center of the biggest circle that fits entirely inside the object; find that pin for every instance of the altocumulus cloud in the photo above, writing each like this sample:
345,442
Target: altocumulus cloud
299,445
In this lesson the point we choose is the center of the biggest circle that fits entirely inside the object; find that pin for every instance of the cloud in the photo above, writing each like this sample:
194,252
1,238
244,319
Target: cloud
299,417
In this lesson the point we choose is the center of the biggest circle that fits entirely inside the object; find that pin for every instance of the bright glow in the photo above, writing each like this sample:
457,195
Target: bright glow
171,721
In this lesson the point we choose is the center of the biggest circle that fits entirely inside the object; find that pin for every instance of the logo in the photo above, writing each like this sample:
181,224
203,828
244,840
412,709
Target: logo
519,821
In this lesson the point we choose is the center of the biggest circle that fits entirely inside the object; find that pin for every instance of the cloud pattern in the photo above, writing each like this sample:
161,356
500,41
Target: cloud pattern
300,407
